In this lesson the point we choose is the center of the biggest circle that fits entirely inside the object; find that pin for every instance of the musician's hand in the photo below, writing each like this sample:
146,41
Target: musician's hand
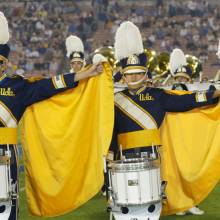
99,68
94,70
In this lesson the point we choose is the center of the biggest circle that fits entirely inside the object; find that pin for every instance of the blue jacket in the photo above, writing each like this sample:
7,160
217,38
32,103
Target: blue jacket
139,115
16,94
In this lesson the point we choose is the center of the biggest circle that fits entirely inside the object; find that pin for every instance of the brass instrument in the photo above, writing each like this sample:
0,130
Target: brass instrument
109,53
195,64
151,59
161,70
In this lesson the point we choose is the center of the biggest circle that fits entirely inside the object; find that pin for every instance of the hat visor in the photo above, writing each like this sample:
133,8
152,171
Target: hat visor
77,59
134,69
183,75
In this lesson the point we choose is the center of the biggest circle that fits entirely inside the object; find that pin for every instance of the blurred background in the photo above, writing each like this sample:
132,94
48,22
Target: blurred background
39,29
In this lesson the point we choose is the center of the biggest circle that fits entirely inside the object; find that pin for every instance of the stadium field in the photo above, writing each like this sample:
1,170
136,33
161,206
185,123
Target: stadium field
95,209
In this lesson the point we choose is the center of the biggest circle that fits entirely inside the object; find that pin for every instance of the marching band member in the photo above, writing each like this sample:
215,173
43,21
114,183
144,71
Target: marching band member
75,52
179,70
183,77
16,94
140,110
182,73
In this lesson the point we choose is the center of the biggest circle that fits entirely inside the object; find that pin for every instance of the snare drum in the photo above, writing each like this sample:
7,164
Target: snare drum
135,181
4,178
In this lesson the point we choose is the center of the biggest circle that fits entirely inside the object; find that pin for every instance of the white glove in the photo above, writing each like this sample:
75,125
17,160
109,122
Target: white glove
98,58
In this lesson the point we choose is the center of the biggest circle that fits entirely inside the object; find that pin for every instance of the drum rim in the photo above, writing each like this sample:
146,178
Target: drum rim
140,203
133,164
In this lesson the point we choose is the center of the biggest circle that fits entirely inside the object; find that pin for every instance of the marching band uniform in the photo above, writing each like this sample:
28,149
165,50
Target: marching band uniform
139,113
16,94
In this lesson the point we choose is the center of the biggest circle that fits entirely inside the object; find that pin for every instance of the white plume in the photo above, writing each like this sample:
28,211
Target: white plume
4,32
128,41
74,44
97,58
177,59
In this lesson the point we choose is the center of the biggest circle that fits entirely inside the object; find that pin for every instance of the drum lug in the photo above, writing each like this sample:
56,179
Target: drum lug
14,196
109,209
163,187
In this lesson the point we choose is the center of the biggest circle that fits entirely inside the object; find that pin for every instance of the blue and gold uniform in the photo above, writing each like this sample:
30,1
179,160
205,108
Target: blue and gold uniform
139,115
140,111
16,94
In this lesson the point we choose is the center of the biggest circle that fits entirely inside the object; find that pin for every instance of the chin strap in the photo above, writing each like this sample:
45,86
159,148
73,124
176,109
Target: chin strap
137,82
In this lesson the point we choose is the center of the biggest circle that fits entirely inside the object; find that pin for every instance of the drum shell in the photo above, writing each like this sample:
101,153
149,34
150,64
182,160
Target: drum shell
141,185
4,179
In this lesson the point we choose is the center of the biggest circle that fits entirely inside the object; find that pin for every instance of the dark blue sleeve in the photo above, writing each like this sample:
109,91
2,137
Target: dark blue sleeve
182,103
114,142
45,88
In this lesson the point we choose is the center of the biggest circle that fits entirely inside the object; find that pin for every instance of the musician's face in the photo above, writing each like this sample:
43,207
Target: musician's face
133,77
181,79
135,80
76,65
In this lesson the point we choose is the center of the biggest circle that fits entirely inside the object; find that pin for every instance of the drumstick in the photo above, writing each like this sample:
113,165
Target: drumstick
121,155
153,152
104,161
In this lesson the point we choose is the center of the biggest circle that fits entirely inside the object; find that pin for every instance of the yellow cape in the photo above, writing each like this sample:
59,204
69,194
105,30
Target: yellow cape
66,137
190,157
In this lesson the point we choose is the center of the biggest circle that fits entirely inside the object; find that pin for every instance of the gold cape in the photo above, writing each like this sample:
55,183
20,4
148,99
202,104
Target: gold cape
65,138
190,157
67,135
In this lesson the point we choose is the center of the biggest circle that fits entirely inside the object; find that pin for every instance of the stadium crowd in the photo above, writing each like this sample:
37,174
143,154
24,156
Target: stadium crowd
39,29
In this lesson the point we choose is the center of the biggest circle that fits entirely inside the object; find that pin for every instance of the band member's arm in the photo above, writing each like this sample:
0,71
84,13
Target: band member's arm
114,142
45,88
181,103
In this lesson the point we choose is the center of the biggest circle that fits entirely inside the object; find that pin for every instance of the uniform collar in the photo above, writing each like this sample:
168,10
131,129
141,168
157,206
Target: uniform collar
136,92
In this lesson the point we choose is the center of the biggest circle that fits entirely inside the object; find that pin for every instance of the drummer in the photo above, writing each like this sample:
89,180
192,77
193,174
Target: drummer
140,110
